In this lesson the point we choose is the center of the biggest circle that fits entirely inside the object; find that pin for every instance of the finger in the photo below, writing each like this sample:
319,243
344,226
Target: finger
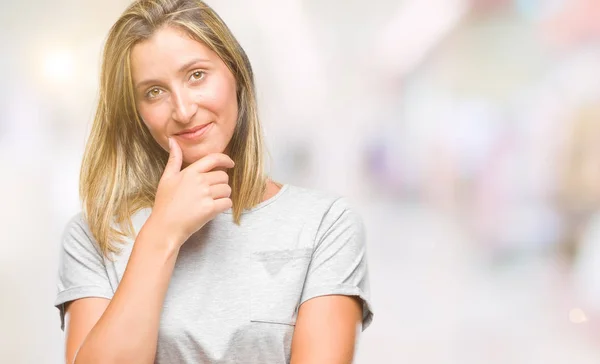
215,177
175,159
222,204
220,191
212,161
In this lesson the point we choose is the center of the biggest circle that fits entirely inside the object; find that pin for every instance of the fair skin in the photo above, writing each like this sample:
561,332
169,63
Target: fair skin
181,84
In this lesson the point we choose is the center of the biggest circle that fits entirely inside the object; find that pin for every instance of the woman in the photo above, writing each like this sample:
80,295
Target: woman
186,252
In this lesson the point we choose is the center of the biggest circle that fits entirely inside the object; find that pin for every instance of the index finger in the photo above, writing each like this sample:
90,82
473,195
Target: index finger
210,162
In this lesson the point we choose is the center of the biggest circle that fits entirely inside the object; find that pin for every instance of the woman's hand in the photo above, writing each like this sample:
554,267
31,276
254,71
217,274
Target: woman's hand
187,199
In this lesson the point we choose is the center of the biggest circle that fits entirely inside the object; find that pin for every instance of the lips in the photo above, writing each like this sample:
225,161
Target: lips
194,134
192,130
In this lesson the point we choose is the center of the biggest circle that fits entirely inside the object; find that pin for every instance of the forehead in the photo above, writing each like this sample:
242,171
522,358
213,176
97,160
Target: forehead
166,50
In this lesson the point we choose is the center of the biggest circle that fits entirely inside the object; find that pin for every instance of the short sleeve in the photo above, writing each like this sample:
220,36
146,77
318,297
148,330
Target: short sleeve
81,269
339,261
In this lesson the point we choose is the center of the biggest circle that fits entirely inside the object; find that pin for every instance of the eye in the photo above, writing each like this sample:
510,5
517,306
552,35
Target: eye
153,93
197,75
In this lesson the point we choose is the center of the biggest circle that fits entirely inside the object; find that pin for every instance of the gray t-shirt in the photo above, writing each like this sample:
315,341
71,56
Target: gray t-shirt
235,290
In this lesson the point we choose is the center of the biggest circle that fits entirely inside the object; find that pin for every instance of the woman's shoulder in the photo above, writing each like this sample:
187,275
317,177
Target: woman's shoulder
77,231
77,239
76,225
311,193
319,201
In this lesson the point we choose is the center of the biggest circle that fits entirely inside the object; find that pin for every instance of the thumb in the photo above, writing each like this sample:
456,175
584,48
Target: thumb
175,159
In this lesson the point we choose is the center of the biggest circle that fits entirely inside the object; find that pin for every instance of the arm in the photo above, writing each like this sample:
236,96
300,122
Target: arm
127,328
334,306
124,329
81,315
326,330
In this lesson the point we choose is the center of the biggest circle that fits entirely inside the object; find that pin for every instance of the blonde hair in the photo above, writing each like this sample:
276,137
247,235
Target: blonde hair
122,164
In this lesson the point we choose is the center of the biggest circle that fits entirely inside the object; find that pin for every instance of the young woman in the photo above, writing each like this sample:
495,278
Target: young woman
186,252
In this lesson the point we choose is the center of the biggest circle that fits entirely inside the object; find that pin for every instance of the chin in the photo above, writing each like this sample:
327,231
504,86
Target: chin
191,157
194,153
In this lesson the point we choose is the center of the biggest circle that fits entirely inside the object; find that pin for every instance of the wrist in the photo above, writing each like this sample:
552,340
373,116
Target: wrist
164,238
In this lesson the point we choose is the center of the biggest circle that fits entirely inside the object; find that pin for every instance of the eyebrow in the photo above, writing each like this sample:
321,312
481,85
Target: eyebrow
181,69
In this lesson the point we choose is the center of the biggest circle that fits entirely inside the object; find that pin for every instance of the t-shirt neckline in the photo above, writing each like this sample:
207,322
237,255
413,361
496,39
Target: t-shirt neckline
284,187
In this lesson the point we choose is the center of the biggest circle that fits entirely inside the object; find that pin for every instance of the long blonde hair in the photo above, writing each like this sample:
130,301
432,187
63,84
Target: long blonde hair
123,163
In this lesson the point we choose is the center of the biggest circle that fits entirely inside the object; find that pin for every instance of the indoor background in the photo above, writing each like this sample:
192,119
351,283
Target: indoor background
467,134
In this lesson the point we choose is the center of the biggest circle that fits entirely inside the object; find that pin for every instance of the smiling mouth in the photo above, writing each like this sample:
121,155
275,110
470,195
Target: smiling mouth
194,132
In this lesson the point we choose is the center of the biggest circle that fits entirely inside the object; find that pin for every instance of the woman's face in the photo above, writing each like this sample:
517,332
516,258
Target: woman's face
184,91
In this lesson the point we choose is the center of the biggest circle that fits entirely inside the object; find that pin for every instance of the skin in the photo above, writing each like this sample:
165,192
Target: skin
180,84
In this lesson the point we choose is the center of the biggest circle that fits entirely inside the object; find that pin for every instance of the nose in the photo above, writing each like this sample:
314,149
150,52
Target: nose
184,108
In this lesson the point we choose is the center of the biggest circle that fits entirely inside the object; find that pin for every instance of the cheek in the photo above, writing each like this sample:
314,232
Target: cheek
153,117
223,101
155,121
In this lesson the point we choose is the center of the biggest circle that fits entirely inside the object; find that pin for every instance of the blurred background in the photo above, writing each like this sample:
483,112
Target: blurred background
466,132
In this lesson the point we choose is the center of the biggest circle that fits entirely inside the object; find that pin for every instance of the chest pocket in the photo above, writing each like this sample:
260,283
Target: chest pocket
278,278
